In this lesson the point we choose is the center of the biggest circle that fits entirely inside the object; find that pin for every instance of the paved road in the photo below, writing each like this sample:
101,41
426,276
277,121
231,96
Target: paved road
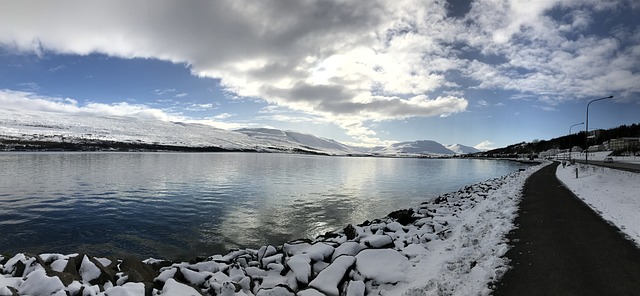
562,247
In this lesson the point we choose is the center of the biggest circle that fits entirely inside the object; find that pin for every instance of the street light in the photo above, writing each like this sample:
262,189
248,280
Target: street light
586,130
570,146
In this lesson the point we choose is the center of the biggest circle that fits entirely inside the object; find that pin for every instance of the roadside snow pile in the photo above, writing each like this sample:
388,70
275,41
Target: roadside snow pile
451,245
613,194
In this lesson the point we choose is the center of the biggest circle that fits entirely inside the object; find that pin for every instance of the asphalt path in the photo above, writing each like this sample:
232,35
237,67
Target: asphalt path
562,247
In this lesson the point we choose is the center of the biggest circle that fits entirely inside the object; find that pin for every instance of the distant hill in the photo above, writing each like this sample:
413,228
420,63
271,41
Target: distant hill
51,131
597,137
423,147
461,149
291,139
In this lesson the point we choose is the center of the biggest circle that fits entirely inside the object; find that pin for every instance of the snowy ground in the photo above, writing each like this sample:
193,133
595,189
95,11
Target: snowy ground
611,193
451,245
599,156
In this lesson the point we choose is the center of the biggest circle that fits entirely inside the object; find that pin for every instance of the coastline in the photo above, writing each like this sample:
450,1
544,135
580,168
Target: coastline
454,242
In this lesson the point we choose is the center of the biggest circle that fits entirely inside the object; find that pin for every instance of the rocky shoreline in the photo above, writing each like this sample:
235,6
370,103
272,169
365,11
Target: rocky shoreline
358,260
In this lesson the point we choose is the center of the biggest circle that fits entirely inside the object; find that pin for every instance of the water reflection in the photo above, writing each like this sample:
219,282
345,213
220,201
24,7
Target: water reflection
179,205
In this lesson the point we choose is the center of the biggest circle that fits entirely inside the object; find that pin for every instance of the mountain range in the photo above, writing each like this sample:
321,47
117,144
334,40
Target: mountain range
39,130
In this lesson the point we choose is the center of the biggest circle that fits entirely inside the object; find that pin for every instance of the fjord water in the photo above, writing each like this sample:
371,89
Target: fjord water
183,205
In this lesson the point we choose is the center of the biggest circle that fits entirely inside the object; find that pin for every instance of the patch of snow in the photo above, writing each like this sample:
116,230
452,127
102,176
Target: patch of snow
104,261
377,240
166,275
38,283
276,291
382,265
319,251
356,288
310,292
328,280
128,289
347,248
301,267
172,287
194,277
59,265
6,282
88,271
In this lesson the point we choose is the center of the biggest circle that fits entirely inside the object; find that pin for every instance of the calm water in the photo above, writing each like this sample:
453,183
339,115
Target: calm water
180,205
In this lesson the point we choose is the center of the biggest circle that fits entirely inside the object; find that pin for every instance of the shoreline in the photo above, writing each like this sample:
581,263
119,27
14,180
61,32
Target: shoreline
389,254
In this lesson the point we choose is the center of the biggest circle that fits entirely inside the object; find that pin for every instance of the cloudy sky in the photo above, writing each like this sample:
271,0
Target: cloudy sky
484,73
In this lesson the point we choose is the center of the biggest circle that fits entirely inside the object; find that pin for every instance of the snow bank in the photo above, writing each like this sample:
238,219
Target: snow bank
450,245
611,193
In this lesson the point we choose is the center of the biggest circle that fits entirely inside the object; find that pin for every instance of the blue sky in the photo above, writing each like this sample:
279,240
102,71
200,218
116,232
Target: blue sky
484,73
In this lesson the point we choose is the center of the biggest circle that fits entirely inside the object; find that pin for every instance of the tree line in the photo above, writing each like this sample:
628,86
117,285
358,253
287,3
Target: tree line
565,142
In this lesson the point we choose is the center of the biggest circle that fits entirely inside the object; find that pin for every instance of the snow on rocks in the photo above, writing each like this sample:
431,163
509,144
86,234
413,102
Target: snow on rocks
328,280
452,244
173,287
382,265
38,283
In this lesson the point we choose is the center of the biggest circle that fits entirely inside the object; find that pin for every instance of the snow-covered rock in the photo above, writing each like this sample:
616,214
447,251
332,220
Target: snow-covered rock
377,241
301,267
356,288
329,279
172,287
88,270
38,283
319,251
382,265
128,289
347,248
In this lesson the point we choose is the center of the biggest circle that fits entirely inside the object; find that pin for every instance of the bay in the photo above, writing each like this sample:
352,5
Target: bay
183,205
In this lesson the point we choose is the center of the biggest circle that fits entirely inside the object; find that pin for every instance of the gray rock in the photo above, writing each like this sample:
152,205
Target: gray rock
138,271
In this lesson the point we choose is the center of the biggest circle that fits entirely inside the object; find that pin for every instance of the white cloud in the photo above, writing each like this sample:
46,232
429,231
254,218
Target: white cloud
164,91
485,145
223,116
29,86
201,107
29,101
26,101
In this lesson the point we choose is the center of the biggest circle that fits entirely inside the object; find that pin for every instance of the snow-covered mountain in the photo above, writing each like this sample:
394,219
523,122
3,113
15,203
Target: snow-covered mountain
58,128
89,131
462,149
423,147
296,139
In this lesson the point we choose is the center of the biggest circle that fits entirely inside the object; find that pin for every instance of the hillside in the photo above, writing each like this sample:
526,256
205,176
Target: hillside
296,139
563,143
422,147
62,132
51,131
462,149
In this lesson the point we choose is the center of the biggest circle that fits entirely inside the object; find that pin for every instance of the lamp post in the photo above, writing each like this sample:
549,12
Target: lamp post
586,130
570,146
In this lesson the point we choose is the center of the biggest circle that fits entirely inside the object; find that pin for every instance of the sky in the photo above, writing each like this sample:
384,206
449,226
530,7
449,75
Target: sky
483,73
